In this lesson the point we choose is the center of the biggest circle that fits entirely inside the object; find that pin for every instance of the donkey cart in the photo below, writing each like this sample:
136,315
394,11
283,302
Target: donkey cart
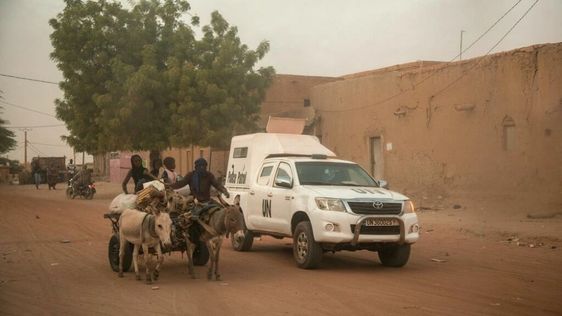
200,255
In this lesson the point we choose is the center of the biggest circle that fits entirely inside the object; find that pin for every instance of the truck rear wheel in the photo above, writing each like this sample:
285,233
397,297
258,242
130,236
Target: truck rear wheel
306,251
395,256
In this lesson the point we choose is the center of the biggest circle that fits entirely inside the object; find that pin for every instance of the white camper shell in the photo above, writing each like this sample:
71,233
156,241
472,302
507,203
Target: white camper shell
247,153
292,186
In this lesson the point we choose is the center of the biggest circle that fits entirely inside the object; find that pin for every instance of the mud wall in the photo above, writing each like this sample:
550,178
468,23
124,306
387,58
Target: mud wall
286,97
185,158
489,125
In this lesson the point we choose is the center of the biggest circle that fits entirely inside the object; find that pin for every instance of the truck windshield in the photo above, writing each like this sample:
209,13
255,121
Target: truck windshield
333,173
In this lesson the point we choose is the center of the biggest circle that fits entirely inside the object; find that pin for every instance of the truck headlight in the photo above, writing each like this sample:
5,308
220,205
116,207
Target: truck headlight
327,204
408,207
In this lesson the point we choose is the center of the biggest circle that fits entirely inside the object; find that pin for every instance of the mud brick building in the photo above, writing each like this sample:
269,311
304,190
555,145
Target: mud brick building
488,125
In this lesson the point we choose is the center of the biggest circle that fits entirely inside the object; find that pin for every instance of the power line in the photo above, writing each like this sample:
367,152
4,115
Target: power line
42,144
514,25
487,53
36,126
37,151
27,109
435,71
29,79
488,30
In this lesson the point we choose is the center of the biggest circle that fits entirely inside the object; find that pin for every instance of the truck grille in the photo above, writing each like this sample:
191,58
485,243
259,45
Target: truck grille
378,230
388,208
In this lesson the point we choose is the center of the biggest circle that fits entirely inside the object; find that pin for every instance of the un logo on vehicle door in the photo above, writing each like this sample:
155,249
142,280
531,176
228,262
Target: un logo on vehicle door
266,208
378,205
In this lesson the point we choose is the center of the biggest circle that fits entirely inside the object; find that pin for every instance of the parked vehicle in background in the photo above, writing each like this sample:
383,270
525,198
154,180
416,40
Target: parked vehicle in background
293,186
57,164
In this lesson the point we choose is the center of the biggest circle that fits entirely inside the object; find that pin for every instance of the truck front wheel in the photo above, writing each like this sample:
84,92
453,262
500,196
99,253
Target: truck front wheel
307,252
243,243
395,256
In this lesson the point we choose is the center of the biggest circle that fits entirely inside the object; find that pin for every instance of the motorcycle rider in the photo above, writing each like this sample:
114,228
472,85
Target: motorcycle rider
200,181
71,169
81,180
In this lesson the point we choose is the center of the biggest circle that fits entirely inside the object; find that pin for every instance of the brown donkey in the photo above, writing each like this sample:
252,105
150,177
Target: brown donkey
218,222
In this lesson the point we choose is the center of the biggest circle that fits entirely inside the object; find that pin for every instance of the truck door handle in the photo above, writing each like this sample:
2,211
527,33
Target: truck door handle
252,192
270,194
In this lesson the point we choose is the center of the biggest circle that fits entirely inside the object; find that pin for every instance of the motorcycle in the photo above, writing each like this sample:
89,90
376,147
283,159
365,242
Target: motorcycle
84,191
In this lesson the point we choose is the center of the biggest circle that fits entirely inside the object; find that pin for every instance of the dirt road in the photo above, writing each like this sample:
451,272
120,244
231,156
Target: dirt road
54,262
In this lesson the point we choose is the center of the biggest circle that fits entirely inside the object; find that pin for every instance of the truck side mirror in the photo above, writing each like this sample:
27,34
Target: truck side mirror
383,184
284,183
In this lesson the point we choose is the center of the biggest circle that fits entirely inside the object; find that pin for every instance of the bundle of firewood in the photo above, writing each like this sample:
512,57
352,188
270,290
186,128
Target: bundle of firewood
151,200
146,194
184,220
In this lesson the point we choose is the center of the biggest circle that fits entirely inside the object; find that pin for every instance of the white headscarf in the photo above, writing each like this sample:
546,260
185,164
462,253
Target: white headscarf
172,176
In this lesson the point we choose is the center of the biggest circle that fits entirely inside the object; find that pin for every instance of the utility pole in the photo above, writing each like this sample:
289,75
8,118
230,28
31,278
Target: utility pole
25,130
460,53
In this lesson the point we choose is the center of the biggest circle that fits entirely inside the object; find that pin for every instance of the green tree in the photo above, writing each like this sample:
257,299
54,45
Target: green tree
221,92
7,138
138,79
14,165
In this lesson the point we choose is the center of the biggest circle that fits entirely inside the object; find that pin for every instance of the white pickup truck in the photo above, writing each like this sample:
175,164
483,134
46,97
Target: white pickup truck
292,186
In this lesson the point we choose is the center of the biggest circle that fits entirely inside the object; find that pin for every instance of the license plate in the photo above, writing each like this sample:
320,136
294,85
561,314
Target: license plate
381,222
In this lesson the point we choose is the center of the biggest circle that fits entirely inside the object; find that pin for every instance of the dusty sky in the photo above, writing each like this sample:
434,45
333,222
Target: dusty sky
307,37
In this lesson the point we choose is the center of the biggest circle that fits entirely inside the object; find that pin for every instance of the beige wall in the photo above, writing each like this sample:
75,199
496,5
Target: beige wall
185,158
285,97
438,143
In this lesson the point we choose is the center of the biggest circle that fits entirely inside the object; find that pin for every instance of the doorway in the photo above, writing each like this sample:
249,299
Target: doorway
377,166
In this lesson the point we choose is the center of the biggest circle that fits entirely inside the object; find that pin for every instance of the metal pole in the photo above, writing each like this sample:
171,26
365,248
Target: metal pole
460,54
25,148
25,130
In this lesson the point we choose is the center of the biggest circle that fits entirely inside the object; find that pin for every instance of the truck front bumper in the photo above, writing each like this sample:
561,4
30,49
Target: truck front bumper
343,227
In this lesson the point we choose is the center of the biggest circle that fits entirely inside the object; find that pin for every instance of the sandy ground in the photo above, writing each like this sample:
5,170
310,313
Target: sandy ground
475,257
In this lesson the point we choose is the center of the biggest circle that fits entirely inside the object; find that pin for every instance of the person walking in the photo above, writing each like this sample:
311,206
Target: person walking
36,172
52,177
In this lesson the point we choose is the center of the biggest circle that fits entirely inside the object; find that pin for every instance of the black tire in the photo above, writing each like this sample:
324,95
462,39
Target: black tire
113,254
69,193
90,194
306,251
201,254
395,256
245,243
